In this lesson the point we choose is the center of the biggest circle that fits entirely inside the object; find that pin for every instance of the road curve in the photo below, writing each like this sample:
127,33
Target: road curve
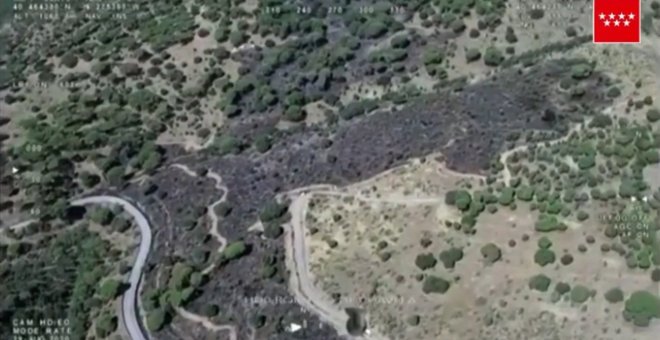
129,305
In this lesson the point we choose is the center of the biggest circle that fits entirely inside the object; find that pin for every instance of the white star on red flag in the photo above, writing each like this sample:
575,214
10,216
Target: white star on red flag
612,20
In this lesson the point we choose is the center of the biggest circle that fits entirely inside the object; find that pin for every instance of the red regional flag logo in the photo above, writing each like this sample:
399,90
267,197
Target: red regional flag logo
617,21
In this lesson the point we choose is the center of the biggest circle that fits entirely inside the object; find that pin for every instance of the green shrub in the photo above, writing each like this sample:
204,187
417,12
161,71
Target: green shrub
156,319
653,115
234,250
582,215
263,143
227,145
539,282
451,256
425,261
295,113
434,284
600,120
614,295
433,56
272,211
544,257
493,57
457,26
373,29
105,324
655,275
109,289
491,253
102,216
547,223
237,38
544,243
472,55
69,60
581,71
562,288
400,41
580,294
641,307
525,193
506,196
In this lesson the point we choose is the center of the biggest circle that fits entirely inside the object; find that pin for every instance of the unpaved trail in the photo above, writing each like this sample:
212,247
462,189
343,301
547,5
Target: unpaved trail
189,145
208,324
213,228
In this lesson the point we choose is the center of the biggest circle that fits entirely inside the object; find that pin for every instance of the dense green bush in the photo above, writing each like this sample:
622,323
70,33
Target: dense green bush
600,120
493,57
525,193
462,199
400,41
539,282
641,307
263,143
472,55
102,216
544,257
614,295
156,319
562,288
580,294
425,261
238,38
69,60
506,196
295,113
547,223
372,29
273,210
451,256
581,71
435,284
582,215
433,56
655,275
105,324
234,250
653,115
491,253
109,289
544,243
355,109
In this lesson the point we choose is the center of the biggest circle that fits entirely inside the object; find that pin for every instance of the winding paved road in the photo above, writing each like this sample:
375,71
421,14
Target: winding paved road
129,299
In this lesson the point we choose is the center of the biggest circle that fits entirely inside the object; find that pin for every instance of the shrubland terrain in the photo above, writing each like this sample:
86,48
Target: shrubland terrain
212,115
